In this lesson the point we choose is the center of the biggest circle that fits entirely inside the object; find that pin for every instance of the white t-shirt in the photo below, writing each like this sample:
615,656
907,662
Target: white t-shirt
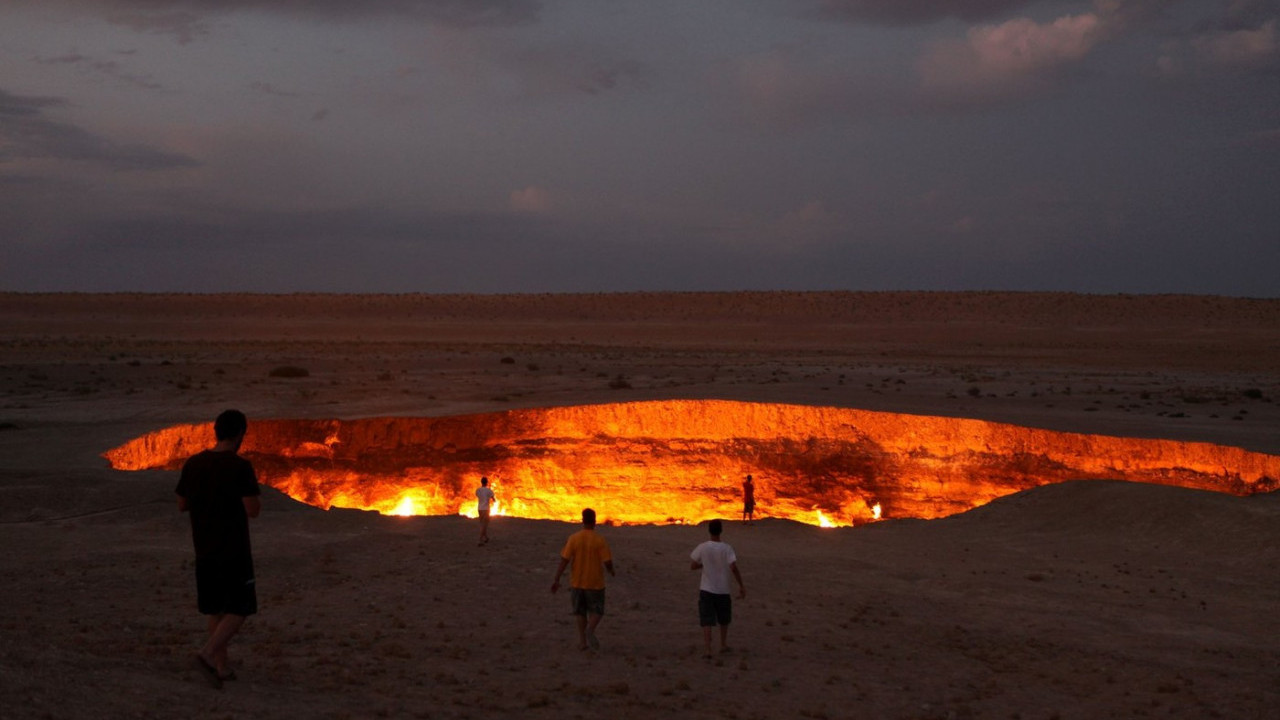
484,496
716,557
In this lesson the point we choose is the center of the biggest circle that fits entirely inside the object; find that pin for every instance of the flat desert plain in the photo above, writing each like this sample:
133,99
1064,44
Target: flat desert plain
1091,599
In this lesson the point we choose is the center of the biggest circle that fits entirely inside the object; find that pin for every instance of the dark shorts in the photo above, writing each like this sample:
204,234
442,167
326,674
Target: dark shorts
226,586
714,609
748,507
587,602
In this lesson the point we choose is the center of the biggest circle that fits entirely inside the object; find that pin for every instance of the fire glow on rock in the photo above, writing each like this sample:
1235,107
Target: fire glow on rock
684,461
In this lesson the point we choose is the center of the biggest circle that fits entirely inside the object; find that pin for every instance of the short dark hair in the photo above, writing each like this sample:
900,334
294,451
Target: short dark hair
230,424
484,481
589,517
715,527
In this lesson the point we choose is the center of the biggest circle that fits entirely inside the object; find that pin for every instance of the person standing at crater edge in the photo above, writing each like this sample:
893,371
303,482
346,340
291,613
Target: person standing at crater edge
590,556
748,500
220,491
719,566
484,501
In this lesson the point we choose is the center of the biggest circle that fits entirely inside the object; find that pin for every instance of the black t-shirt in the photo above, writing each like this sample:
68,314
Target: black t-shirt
215,485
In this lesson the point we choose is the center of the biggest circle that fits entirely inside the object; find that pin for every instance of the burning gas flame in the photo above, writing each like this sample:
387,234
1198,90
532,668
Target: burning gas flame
405,507
684,461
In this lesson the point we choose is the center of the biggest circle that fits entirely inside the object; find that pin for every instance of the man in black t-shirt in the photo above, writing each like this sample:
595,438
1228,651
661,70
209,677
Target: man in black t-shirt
220,491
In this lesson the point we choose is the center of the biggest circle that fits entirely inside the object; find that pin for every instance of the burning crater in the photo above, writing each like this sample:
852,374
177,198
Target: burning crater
678,461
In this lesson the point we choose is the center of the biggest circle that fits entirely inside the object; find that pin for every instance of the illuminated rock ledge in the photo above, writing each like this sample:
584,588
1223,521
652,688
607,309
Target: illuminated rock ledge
684,461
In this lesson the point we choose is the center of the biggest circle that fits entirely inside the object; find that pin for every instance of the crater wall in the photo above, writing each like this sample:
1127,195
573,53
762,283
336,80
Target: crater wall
684,460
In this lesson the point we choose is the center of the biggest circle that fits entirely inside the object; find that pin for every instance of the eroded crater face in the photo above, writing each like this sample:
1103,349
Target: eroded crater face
684,461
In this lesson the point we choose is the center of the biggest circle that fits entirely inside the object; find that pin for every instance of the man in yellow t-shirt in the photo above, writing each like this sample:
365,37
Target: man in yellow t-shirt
589,554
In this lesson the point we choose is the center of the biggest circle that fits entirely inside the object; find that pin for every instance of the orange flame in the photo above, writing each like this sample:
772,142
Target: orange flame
406,507
683,461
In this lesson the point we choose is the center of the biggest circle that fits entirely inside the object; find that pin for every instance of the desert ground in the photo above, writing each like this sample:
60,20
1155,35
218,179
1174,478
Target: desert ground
1091,599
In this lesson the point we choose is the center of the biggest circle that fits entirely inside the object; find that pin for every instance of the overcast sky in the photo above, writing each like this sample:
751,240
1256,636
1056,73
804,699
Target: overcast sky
601,145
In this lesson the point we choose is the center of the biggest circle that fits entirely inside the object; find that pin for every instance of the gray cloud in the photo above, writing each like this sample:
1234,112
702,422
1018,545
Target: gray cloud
369,249
605,149
183,26
914,12
68,59
1243,38
27,134
575,70
109,68
1012,59
187,20
17,106
267,88
1244,15
192,246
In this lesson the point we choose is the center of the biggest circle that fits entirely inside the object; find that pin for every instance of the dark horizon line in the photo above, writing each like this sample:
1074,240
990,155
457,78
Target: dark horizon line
609,293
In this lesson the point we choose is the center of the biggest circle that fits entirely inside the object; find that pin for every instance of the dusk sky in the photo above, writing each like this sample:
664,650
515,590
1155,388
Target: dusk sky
590,145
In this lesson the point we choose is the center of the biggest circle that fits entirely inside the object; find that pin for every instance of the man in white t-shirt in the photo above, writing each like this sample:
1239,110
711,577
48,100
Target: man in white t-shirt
718,563
484,500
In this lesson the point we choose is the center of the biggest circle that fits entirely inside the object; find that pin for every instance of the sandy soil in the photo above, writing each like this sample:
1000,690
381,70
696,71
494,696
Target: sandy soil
1083,600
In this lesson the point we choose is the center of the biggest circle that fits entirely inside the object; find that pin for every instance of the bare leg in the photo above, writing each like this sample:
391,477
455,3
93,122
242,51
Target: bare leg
724,639
582,632
221,629
706,640
593,621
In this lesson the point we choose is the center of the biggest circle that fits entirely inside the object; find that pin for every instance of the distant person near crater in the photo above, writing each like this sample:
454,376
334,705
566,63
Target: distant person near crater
484,502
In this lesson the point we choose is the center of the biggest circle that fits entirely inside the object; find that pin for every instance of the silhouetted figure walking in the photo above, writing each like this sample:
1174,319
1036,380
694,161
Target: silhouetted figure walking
220,491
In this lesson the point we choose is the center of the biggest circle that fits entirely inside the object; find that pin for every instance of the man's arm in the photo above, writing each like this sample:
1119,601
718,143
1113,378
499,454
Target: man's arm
555,582
608,565
742,589
182,504
252,505
695,565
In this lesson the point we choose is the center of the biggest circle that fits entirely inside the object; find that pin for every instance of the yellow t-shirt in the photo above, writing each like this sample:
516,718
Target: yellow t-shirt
588,552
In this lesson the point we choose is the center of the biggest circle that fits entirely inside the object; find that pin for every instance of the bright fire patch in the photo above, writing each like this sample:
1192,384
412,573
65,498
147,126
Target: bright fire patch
683,461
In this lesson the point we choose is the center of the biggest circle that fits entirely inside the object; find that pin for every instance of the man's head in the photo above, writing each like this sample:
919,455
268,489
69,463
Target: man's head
230,425
748,479
484,481
588,518
715,527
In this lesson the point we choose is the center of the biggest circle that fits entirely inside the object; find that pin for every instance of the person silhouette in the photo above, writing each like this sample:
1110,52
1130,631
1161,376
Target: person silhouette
220,491
589,554
484,501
